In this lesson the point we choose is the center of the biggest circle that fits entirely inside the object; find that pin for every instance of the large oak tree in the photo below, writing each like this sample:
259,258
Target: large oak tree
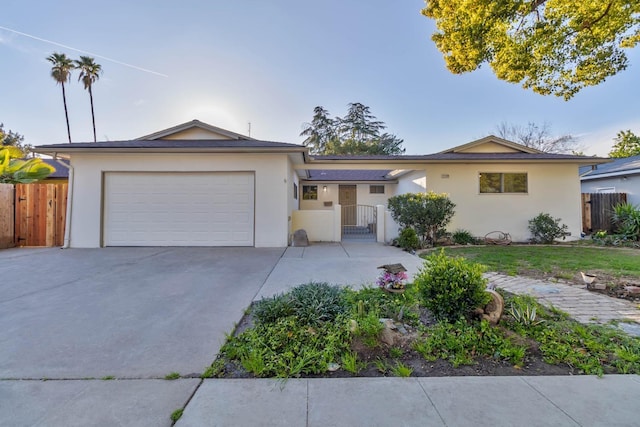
550,46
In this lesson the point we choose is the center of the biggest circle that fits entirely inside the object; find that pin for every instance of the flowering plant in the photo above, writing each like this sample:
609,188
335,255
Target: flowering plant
388,280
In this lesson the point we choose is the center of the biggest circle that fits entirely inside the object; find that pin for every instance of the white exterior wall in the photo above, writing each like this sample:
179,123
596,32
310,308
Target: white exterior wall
368,199
631,186
331,195
272,188
320,225
195,133
293,197
553,189
413,182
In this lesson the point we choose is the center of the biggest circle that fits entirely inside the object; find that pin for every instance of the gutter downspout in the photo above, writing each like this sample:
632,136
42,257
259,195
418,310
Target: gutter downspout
67,225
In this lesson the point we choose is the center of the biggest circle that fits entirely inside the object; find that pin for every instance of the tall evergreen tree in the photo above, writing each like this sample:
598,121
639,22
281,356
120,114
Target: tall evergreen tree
358,132
319,132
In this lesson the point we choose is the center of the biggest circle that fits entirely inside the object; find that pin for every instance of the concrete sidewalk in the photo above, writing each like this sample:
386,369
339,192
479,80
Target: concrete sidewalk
183,286
347,263
454,401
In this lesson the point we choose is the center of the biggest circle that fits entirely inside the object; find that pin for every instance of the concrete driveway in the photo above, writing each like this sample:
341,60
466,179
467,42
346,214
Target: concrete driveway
123,312
87,336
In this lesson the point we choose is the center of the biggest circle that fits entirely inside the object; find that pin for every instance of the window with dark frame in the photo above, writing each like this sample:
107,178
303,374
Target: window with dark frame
498,182
295,191
376,189
309,192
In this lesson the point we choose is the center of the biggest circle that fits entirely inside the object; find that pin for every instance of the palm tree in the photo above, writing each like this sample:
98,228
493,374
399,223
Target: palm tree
61,73
89,74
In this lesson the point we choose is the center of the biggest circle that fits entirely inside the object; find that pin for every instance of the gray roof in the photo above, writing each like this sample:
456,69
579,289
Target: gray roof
190,125
616,167
348,175
173,144
469,157
61,172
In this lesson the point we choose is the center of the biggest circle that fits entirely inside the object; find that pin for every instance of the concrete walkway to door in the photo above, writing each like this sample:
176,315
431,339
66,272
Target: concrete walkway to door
346,263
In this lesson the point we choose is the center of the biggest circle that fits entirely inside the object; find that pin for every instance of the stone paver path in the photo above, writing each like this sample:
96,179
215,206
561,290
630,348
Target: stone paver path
581,304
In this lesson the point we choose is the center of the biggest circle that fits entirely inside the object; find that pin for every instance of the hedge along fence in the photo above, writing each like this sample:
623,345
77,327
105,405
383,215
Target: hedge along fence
7,219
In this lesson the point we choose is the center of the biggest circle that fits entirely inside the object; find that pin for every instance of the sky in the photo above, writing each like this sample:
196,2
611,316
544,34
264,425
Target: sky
269,63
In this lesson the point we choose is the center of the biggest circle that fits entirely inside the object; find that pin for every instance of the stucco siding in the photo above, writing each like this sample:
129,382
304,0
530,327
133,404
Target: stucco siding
272,187
413,182
363,196
630,185
196,133
293,196
553,189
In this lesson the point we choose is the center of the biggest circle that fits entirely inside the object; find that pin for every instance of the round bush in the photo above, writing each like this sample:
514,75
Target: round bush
408,239
451,287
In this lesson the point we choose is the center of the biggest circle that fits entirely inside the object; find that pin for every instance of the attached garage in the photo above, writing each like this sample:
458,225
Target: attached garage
190,185
178,209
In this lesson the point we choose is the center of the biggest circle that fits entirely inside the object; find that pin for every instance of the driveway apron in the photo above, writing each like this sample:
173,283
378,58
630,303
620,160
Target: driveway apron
123,312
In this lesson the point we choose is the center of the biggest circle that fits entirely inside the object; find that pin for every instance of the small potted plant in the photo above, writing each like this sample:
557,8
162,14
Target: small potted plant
393,278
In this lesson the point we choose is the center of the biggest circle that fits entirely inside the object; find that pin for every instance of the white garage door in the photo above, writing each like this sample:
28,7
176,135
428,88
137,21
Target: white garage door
178,209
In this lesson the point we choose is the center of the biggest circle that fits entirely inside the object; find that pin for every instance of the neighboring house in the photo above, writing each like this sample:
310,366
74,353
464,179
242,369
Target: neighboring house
198,185
61,173
618,176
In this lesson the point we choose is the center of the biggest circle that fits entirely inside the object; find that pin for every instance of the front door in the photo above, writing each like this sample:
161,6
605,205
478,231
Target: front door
347,199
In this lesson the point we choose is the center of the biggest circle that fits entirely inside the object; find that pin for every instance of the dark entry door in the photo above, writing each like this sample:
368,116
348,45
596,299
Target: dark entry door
347,199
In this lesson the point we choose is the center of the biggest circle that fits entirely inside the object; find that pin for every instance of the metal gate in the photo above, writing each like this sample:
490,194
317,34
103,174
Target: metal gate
359,222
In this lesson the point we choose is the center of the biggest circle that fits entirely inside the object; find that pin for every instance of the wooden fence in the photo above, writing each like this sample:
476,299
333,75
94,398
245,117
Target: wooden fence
597,209
6,216
32,214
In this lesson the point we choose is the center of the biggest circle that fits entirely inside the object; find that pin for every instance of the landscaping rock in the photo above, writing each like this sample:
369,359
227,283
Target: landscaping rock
632,290
492,312
300,238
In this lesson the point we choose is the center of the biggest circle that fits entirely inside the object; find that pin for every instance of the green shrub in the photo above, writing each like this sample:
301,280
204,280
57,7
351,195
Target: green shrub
408,239
270,309
287,349
317,302
463,237
460,342
451,287
626,217
369,328
311,303
426,213
401,307
545,229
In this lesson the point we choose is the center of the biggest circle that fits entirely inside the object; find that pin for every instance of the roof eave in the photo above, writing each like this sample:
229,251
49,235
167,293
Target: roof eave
147,150
350,181
589,176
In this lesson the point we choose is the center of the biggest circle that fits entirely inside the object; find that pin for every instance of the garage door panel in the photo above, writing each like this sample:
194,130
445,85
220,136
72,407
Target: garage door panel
179,209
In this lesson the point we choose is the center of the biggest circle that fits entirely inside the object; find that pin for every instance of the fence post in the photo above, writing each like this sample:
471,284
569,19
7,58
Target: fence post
7,221
380,231
337,223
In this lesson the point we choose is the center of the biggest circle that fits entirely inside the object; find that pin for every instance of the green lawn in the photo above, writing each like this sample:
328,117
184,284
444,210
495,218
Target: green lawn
560,261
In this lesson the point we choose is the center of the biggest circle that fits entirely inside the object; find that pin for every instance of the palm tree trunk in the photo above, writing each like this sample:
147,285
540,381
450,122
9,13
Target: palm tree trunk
66,113
93,117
